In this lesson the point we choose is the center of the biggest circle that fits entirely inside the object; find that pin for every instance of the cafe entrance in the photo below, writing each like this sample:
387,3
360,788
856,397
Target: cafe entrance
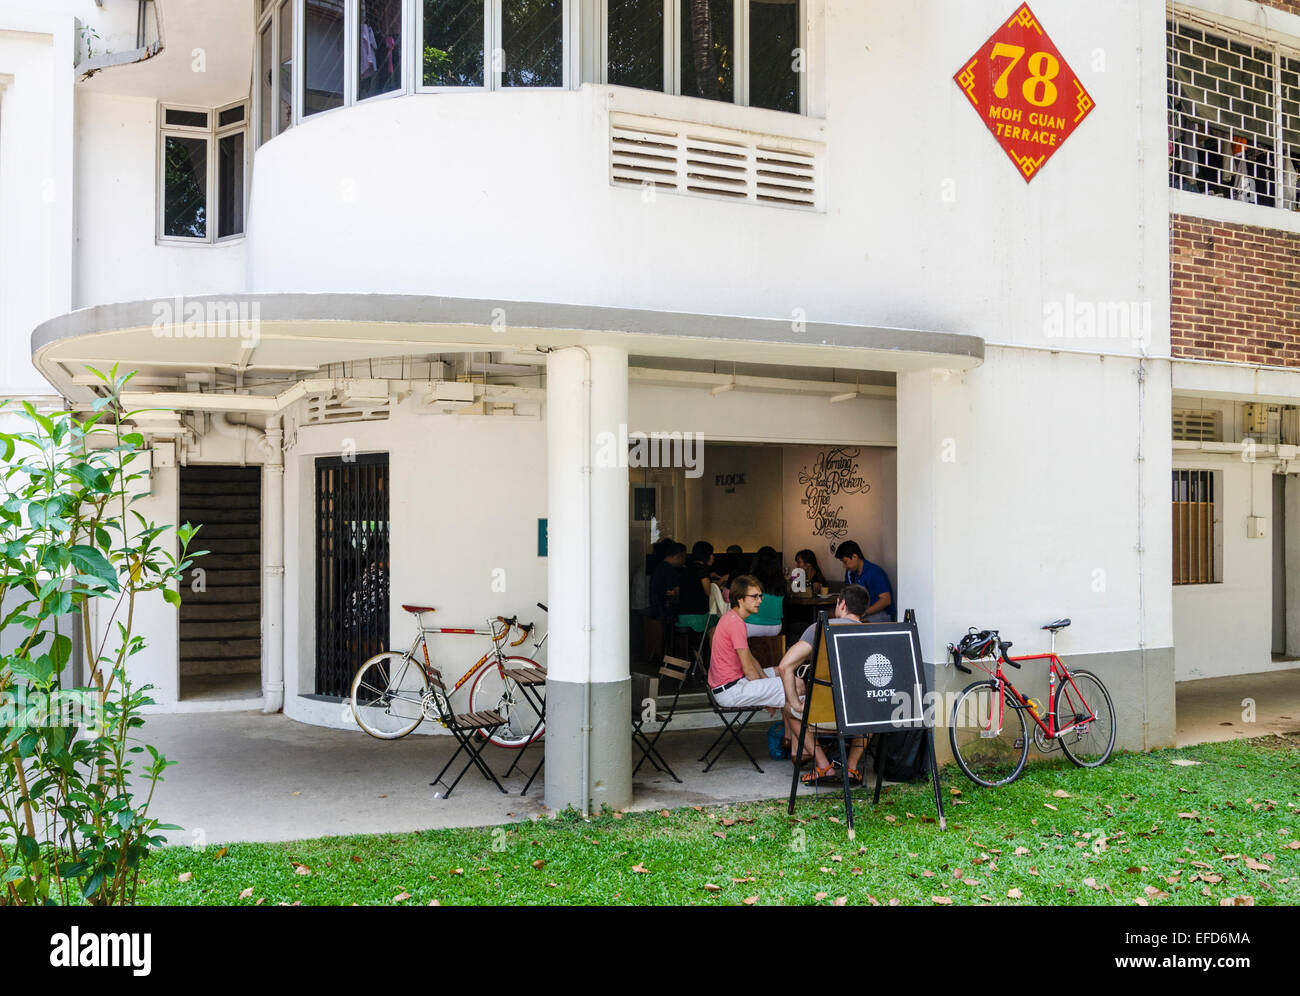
763,508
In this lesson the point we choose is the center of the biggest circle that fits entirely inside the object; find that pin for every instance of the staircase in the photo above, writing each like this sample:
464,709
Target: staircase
221,625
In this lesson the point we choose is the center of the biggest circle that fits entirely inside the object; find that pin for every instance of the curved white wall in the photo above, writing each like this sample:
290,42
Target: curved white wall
506,195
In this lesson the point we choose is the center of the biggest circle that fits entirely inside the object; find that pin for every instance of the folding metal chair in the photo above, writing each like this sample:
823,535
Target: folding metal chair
471,730
672,669
734,720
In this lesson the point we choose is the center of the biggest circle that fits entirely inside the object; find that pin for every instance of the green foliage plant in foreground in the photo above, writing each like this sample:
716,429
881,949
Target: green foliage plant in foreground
73,827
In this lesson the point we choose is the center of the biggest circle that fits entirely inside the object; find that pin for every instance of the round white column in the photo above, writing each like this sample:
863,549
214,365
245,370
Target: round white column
588,688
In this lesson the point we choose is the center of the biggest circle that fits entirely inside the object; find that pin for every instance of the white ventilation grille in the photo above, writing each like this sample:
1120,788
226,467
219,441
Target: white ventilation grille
714,162
1195,426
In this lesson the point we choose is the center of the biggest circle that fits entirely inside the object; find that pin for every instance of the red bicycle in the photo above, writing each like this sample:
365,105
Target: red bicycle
987,725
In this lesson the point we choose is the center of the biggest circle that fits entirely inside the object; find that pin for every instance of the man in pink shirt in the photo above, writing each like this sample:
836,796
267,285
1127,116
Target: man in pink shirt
734,675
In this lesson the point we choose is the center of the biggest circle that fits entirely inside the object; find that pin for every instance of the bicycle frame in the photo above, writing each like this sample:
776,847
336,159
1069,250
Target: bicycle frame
496,650
1057,673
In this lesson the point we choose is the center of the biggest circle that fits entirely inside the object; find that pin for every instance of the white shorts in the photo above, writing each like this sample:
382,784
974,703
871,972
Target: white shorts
761,629
749,693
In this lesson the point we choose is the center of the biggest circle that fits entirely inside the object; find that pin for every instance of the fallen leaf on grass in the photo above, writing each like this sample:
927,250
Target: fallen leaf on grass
221,854
1015,894
640,869
1293,846
750,900
1257,866
1141,902
1238,901
1020,850
1193,815
356,858
539,863
941,900
891,818
970,881
840,900
1155,893
820,896
434,902
954,791
1061,794
184,876
246,894
664,812
1091,883
719,833
401,897
873,900
1033,871
1051,807
928,874
458,871
710,887
1183,762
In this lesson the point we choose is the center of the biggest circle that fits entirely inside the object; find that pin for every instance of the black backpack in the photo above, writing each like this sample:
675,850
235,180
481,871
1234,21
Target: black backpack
905,759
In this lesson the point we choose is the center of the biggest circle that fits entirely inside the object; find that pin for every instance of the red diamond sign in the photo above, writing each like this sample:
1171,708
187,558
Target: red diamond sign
1027,94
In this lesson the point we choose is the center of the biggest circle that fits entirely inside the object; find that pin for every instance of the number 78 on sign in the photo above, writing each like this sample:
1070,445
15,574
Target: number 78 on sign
1025,91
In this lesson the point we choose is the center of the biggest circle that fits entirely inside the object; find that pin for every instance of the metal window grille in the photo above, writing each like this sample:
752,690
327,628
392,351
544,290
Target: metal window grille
1234,116
1193,515
351,567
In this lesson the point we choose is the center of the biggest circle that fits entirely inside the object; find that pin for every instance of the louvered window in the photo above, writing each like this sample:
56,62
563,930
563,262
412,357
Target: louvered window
715,162
1196,425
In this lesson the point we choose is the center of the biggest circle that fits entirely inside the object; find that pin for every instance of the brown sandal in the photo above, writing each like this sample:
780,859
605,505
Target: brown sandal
817,775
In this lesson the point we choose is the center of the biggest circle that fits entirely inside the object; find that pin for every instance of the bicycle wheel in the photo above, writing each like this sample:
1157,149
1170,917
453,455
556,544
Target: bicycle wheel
387,694
493,691
1078,697
988,735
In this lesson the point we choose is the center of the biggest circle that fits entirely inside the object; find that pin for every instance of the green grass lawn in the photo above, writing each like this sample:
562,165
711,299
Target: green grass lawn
1142,829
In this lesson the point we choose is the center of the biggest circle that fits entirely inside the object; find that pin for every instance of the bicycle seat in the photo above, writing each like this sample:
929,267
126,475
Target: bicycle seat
418,608
1057,626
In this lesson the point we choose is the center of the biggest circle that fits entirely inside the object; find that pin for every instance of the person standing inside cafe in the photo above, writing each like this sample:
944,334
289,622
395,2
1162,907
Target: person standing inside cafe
859,570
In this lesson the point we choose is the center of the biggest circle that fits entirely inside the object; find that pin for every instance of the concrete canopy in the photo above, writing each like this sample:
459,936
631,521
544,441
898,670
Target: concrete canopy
283,334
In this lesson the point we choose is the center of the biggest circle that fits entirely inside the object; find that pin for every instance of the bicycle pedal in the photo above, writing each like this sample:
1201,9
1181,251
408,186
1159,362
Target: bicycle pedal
1019,743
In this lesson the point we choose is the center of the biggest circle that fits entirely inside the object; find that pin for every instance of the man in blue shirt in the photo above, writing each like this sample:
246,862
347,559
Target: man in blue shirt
859,570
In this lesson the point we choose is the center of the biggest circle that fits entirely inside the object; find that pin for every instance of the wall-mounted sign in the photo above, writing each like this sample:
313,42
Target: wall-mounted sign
728,482
834,472
1027,94
542,538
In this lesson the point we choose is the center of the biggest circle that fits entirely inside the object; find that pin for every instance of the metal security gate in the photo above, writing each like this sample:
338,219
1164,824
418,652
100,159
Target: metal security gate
351,567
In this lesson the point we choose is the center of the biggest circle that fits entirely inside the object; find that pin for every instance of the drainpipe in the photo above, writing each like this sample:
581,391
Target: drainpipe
273,568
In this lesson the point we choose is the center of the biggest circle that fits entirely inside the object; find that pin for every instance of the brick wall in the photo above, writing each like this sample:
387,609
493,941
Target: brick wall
1235,292
1290,6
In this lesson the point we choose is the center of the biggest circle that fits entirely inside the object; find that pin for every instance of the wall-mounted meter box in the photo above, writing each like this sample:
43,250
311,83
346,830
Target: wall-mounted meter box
1256,527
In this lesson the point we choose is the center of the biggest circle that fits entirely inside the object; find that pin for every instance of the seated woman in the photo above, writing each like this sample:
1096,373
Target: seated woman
693,602
767,621
806,561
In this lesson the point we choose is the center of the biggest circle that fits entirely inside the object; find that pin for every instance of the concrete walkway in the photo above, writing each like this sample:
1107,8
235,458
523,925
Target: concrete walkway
247,776
1215,709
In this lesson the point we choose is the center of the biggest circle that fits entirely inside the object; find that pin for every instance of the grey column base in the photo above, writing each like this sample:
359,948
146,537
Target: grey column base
1121,670
611,744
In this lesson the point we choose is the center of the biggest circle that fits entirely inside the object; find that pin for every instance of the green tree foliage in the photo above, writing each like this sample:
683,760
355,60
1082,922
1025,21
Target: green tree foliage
75,781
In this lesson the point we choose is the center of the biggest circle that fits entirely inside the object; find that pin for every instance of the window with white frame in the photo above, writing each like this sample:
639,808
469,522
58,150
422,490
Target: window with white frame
1234,115
740,51
202,182
492,44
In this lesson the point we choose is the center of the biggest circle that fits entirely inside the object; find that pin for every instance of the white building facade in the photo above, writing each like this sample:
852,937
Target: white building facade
422,255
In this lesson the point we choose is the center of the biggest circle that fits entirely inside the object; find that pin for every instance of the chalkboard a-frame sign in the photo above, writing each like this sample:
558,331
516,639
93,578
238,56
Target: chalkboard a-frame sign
875,675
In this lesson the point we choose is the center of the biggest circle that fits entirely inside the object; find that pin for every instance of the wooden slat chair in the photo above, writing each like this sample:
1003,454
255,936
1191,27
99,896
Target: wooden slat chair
471,730
734,720
672,669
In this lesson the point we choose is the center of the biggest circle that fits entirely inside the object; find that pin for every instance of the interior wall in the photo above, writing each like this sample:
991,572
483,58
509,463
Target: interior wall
838,493
738,498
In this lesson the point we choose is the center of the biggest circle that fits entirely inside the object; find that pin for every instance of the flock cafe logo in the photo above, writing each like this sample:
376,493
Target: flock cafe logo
879,671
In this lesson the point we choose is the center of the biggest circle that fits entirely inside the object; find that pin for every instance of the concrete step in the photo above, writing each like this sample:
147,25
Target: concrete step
232,665
219,629
220,650
224,529
197,611
250,593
